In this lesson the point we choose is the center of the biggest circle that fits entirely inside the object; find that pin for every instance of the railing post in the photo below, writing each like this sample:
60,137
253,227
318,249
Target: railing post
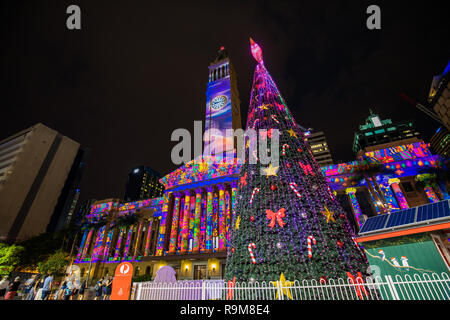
391,287
203,290
280,291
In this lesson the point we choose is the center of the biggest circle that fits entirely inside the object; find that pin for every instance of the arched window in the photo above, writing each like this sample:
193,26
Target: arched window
147,270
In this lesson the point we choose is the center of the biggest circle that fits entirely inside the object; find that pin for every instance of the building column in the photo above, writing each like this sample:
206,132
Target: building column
431,194
175,222
197,220
209,218
138,239
233,208
185,223
388,194
401,200
98,243
127,244
148,238
228,216
83,241
119,242
351,192
222,219
162,225
88,242
108,243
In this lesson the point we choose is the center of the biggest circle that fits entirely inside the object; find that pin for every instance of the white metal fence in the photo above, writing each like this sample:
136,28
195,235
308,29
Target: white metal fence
416,287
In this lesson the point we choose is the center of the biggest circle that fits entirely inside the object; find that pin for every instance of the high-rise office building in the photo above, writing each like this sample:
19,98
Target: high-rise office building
40,171
143,183
376,132
439,97
440,142
319,148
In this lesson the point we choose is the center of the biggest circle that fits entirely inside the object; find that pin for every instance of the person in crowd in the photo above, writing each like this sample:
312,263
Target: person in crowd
107,288
47,287
28,287
4,283
75,289
34,287
81,292
98,289
13,287
68,289
59,295
38,288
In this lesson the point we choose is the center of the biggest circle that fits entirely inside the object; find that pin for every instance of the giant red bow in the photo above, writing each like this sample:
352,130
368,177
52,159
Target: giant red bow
276,216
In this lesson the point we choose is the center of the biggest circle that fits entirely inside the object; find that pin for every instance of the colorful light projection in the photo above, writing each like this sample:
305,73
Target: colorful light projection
355,205
403,152
197,221
204,168
401,200
431,194
391,202
147,242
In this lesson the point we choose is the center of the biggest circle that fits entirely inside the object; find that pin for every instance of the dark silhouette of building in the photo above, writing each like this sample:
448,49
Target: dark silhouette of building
143,183
376,132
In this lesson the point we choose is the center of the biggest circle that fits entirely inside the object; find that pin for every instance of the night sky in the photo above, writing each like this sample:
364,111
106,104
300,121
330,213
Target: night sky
136,70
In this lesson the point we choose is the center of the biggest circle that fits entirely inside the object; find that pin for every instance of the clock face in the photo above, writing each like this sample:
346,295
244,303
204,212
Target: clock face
218,102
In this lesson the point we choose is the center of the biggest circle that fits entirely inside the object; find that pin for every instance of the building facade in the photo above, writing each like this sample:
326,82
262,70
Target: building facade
389,179
440,142
319,148
40,170
377,132
143,183
439,96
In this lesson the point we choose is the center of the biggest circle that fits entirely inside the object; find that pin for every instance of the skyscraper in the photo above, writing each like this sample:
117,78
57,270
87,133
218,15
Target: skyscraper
440,142
439,97
143,183
40,170
376,132
319,147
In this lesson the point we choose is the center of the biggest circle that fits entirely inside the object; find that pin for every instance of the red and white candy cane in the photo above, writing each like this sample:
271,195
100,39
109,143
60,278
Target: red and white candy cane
284,148
274,117
313,240
294,187
255,191
252,246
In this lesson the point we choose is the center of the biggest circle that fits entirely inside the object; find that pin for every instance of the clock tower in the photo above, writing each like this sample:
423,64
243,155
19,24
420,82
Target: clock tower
223,110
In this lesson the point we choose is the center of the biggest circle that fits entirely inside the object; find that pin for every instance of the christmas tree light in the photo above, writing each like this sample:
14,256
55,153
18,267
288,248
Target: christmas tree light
281,209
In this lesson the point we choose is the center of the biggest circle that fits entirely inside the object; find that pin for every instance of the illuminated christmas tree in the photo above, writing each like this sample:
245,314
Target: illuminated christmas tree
288,223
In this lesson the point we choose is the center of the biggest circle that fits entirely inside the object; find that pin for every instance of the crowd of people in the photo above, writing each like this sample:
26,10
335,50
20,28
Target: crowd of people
44,287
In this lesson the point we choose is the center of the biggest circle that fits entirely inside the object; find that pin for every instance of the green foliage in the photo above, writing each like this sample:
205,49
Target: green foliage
55,264
9,258
127,220
413,238
39,248
143,278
